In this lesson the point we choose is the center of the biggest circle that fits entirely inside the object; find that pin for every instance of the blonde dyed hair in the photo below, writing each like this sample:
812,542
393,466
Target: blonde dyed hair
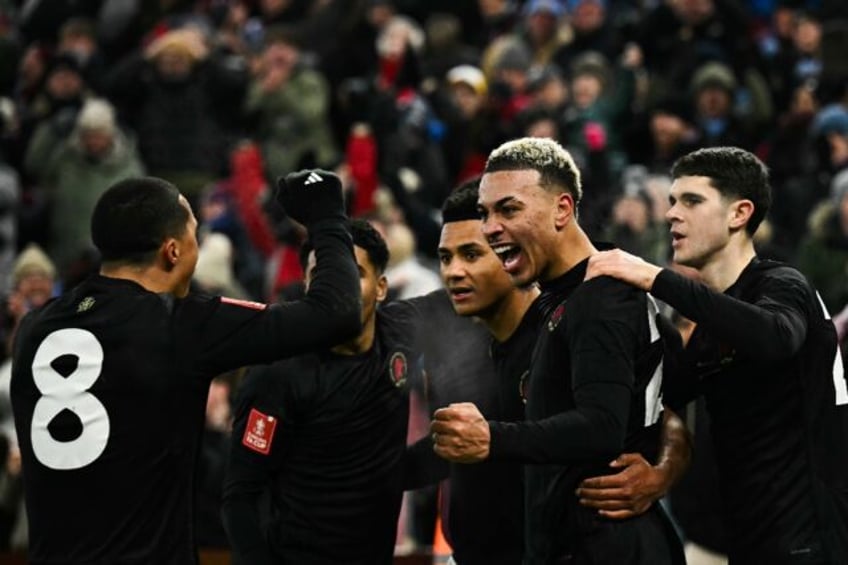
556,167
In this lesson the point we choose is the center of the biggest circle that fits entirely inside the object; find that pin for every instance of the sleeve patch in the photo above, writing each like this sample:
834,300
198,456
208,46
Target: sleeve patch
259,432
244,303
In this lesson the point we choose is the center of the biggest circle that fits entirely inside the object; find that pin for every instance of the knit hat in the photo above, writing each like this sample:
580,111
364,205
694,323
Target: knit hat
514,56
188,41
32,261
713,74
553,7
97,114
468,75
831,119
214,268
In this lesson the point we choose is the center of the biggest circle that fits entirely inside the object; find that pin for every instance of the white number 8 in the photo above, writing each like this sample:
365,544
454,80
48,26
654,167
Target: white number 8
71,393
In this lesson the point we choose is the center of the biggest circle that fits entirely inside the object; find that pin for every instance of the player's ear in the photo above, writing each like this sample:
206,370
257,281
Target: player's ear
740,213
564,210
382,288
171,251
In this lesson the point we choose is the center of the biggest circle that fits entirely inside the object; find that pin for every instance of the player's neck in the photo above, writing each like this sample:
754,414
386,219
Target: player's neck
150,277
573,247
505,319
361,343
724,269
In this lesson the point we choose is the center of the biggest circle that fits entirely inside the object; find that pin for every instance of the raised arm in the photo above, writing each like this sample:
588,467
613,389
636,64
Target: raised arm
237,333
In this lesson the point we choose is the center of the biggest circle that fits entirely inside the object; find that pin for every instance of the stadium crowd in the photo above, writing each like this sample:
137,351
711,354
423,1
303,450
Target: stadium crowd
404,100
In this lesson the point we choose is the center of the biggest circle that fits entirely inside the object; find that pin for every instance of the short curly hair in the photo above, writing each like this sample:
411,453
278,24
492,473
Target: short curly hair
556,167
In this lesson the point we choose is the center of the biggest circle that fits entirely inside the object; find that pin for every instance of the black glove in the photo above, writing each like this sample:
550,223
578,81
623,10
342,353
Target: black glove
311,195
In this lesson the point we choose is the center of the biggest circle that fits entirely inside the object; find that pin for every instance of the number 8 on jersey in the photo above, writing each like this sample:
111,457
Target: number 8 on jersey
68,393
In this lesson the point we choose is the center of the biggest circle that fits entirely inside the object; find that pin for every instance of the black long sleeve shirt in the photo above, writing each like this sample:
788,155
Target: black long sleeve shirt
593,391
482,505
109,387
765,356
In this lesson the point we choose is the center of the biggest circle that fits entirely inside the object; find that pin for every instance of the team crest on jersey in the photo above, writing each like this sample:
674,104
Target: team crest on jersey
522,386
555,318
85,304
398,368
244,303
259,432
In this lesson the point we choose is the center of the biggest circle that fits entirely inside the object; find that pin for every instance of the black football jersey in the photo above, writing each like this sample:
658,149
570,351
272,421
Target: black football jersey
109,386
464,364
593,391
325,435
764,354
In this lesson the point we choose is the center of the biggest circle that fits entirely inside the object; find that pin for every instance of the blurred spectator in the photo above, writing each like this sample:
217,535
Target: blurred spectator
713,90
541,30
10,194
178,99
407,276
601,100
124,26
78,39
548,89
633,226
287,105
678,37
57,101
76,171
212,462
500,17
471,126
792,160
670,135
797,59
445,47
831,126
592,30
214,272
506,63
823,255
219,215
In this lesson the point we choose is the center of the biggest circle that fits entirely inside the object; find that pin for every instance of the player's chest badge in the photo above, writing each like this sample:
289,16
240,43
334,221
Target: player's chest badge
398,368
556,317
85,304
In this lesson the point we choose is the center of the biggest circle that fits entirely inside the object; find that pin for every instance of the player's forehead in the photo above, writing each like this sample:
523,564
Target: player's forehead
501,186
360,254
458,234
697,185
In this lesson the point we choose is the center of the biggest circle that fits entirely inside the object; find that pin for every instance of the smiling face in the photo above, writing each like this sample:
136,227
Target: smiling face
471,272
520,222
701,221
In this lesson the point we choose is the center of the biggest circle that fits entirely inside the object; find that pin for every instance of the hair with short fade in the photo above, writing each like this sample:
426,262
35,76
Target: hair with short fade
134,217
461,204
556,168
364,236
735,173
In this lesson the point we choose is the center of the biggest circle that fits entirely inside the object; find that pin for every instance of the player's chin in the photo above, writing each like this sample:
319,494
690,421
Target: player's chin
467,308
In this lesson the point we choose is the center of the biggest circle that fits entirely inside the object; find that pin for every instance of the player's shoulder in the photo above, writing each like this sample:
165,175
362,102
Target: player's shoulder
604,291
773,275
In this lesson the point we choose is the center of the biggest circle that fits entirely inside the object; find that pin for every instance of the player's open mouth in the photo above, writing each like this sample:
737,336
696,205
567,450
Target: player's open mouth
509,255
460,293
676,238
